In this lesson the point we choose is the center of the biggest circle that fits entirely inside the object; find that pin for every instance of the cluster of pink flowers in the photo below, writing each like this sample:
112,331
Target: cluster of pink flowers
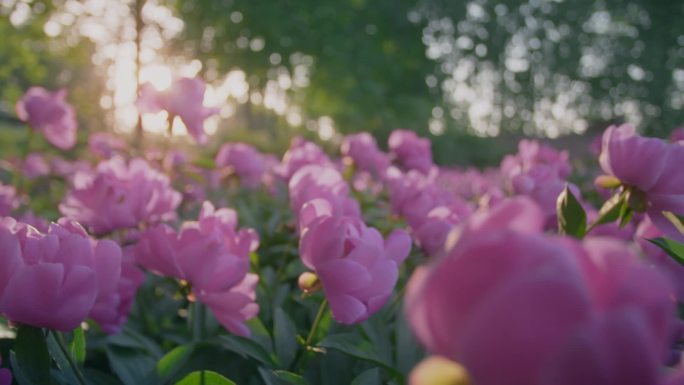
120,195
213,257
58,279
357,268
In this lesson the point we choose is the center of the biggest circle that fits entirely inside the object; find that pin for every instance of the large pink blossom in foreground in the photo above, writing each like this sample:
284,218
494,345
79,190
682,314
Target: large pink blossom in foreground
213,256
50,114
652,167
185,99
357,267
120,195
55,279
515,306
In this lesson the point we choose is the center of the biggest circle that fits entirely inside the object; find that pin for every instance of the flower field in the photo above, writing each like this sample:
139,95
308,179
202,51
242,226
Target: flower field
129,264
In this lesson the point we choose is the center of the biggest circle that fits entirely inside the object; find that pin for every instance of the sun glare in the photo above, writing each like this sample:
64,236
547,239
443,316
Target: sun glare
159,75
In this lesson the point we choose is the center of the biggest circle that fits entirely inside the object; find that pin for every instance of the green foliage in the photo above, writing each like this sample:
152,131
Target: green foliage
572,220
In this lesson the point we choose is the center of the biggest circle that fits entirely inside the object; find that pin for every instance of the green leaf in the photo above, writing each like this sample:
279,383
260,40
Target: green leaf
32,357
677,220
206,163
610,211
77,346
369,377
285,335
204,377
289,377
60,357
132,366
247,348
673,248
572,220
356,346
174,360
133,339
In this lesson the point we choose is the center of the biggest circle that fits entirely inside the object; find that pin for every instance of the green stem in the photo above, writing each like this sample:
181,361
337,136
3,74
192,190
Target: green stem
317,320
198,316
19,177
65,352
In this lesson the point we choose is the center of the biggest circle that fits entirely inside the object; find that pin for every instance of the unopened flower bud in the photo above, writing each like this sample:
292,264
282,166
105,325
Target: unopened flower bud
438,370
309,282
607,181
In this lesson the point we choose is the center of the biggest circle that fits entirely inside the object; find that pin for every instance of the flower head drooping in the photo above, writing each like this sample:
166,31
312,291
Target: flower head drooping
120,195
50,114
184,99
213,256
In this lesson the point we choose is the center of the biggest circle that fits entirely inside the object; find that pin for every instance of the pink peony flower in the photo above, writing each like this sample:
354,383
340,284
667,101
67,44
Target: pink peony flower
358,269
300,154
414,194
184,99
244,160
119,195
49,113
213,257
35,166
652,166
431,235
538,171
363,150
321,182
410,151
8,199
105,145
53,280
517,307
677,135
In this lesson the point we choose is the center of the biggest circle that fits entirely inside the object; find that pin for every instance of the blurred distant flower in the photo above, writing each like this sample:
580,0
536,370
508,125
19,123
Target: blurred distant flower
105,145
213,256
244,160
49,113
35,166
363,150
321,182
410,151
357,268
677,135
300,154
119,195
8,199
185,99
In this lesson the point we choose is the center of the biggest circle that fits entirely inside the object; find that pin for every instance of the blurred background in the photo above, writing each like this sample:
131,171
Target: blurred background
459,72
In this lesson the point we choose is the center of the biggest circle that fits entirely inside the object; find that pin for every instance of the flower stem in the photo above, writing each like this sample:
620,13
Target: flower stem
198,315
67,355
317,320
19,177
